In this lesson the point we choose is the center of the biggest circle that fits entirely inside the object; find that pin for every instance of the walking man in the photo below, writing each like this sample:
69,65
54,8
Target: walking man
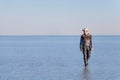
86,45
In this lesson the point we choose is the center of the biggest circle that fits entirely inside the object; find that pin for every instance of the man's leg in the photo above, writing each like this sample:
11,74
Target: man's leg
85,56
88,53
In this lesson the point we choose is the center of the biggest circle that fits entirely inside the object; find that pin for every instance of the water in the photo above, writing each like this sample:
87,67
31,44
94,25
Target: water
58,58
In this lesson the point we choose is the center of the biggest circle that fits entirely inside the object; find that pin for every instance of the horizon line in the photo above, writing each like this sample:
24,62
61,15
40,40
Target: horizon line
60,35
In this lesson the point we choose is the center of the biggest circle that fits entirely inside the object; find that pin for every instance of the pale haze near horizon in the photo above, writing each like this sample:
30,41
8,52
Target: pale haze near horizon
59,17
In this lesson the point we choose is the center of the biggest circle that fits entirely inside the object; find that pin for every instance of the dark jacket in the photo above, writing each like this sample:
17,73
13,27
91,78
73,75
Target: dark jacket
86,40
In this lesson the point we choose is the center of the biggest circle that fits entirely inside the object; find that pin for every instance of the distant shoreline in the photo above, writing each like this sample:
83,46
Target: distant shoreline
49,35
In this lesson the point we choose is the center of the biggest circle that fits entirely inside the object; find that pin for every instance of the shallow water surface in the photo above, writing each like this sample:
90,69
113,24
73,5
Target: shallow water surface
58,58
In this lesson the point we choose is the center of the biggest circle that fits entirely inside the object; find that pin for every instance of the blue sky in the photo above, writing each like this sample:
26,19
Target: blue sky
59,17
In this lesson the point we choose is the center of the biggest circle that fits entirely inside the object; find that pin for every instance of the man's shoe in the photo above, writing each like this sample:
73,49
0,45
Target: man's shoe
86,65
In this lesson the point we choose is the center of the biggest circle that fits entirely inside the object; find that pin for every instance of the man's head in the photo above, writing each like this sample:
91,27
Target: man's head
85,31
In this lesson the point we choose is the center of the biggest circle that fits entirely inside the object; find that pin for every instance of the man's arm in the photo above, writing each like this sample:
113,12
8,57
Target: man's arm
91,46
81,43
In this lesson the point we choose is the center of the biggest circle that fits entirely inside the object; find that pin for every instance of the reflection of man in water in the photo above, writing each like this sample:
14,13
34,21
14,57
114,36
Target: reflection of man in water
86,74
86,45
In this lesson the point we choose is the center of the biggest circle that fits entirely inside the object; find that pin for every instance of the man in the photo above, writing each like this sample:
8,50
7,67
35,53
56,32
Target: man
86,45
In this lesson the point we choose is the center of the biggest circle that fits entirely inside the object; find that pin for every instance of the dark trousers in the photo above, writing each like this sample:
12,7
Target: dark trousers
86,54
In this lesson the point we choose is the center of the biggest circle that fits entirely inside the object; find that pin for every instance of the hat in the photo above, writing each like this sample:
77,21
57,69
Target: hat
85,29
